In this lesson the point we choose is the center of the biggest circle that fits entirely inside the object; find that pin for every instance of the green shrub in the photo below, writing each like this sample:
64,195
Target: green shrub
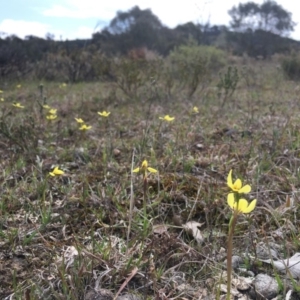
133,74
193,65
291,66
76,66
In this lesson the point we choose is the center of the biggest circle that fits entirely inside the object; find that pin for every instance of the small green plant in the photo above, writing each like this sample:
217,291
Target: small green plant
227,83
20,135
144,169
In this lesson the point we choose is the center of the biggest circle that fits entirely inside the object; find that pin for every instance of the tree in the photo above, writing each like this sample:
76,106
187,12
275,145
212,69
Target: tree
189,31
269,16
135,17
134,28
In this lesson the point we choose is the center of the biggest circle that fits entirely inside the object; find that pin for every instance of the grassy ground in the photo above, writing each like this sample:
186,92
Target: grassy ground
63,236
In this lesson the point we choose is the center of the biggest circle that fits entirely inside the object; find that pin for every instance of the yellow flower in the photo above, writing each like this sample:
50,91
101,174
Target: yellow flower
237,186
52,111
144,168
63,85
195,110
56,171
2,99
241,206
104,113
18,105
18,86
167,118
80,121
46,106
51,117
1,91
85,127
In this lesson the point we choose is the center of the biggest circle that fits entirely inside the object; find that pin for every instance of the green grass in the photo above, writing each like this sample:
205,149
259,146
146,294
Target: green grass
62,236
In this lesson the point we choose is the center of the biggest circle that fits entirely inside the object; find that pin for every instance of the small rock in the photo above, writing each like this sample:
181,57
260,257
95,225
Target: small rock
116,152
236,261
129,297
200,146
266,286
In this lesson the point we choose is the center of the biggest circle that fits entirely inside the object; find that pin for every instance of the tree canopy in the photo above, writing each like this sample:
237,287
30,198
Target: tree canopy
268,16
130,20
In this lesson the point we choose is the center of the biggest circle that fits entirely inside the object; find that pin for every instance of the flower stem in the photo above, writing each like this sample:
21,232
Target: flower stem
232,224
145,187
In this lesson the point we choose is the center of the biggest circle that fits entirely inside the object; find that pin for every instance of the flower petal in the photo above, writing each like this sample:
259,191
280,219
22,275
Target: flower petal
145,164
237,185
52,111
51,117
229,179
242,205
104,113
136,170
57,171
85,127
230,200
79,120
151,170
245,189
250,207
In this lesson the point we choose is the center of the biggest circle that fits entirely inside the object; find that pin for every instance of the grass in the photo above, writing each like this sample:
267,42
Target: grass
63,236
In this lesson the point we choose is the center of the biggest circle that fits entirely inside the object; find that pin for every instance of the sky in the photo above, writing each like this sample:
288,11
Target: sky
79,19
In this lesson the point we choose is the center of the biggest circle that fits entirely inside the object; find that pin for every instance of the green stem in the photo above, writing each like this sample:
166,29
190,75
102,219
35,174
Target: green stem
229,256
145,185
44,187
232,224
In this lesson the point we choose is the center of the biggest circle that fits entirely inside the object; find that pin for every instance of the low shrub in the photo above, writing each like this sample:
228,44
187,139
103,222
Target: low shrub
193,65
291,66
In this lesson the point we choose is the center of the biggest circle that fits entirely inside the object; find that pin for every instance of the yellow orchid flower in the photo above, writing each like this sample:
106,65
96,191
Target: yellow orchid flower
18,105
144,168
167,118
52,111
79,120
56,171
18,86
195,110
63,85
1,91
51,117
104,113
240,206
1,99
84,127
46,106
237,185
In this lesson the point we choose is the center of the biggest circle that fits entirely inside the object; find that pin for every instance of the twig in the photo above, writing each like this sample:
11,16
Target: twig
133,272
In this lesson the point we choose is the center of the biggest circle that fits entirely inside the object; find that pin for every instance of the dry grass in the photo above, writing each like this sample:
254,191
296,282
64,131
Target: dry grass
61,237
